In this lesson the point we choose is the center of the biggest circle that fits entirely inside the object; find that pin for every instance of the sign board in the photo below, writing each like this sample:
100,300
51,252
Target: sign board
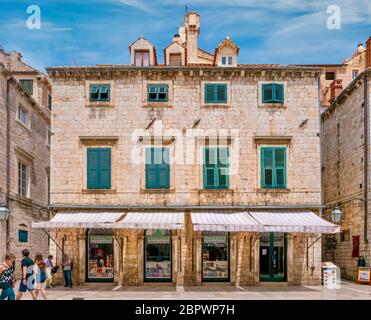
355,250
363,275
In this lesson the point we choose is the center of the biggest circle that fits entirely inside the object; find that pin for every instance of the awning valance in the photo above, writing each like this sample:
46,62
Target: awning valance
293,221
151,220
224,221
80,220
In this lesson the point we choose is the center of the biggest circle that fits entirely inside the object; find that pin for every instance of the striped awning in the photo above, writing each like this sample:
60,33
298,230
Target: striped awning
151,220
224,221
293,221
80,220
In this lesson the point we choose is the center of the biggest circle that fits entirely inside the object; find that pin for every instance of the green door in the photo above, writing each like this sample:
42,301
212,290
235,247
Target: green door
272,254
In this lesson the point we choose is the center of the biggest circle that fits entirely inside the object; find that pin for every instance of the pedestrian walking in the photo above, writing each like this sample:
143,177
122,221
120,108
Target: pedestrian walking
28,280
40,276
49,271
7,280
67,266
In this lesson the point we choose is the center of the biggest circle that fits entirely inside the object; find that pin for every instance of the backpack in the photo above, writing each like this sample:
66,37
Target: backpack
42,276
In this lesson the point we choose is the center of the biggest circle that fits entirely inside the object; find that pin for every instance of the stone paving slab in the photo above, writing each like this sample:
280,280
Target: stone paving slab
347,291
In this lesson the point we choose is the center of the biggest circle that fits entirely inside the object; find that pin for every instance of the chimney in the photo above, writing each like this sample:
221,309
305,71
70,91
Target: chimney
336,88
368,53
192,26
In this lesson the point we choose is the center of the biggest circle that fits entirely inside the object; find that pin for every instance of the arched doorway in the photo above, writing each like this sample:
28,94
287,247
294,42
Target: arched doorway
157,256
99,258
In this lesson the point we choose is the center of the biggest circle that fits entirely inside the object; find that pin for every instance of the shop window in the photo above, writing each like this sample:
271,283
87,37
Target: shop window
157,253
215,93
100,255
216,175
157,168
215,256
99,168
273,167
141,58
22,236
99,92
27,85
272,93
157,92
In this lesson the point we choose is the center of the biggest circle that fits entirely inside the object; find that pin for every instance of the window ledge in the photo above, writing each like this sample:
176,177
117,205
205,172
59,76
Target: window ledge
215,191
273,190
156,191
159,104
24,199
24,126
275,105
215,105
99,191
100,104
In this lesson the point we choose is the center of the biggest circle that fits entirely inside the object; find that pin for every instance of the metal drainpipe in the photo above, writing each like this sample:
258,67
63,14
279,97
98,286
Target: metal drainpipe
7,237
365,171
320,145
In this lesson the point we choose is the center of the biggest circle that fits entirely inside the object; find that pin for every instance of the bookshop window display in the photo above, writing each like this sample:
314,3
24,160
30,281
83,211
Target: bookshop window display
100,255
157,256
215,256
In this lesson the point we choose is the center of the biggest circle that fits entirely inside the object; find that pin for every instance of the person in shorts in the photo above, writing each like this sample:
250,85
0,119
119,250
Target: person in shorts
40,276
28,279
7,280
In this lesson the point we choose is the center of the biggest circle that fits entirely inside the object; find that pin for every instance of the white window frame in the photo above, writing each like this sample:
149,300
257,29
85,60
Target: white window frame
22,109
226,60
20,192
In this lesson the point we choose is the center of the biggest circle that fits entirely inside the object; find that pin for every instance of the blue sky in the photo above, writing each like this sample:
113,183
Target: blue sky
87,32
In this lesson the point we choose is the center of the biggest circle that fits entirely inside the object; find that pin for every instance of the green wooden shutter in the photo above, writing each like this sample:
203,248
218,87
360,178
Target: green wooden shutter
223,172
280,167
278,92
209,168
105,168
92,169
150,169
157,168
267,167
209,93
164,170
221,93
267,93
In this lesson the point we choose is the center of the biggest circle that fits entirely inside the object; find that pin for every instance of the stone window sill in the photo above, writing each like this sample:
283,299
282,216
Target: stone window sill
213,191
215,105
99,191
160,104
273,190
272,105
157,191
99,105
24,199
24,126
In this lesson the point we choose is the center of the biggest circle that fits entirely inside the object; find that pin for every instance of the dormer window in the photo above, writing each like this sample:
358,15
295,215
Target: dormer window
142,58
227,60
175,59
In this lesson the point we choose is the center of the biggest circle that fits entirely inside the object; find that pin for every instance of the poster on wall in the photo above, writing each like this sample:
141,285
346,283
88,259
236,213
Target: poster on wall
364,275
355,243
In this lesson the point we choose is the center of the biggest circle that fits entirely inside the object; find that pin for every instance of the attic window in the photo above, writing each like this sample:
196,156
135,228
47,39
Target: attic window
227,60
142,58
330,75
175,59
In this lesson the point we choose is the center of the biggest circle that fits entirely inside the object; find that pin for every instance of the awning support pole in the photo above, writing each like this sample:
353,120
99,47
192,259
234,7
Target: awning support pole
251,246
309,246
51,238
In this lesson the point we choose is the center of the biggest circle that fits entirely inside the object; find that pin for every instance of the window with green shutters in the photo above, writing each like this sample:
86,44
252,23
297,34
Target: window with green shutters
272,93
99,92
99,168
216,165
216,93
27,85
157,168
157,92
273,167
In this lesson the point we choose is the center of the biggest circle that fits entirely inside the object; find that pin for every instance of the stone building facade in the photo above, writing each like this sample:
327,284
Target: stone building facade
24,156
116,115
346,168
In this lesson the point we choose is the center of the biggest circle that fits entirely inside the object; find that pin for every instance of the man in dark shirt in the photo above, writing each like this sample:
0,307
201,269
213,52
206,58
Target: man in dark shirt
27,281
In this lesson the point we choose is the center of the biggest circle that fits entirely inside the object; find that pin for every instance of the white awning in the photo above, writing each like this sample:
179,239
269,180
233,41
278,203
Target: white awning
80,220
151,220
224,221
293,221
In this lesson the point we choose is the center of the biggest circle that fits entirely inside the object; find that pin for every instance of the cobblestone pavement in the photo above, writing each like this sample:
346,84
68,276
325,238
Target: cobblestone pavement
347,291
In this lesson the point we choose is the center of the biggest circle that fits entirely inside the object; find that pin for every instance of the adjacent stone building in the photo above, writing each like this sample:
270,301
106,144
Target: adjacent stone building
346,169
196,170
24,155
